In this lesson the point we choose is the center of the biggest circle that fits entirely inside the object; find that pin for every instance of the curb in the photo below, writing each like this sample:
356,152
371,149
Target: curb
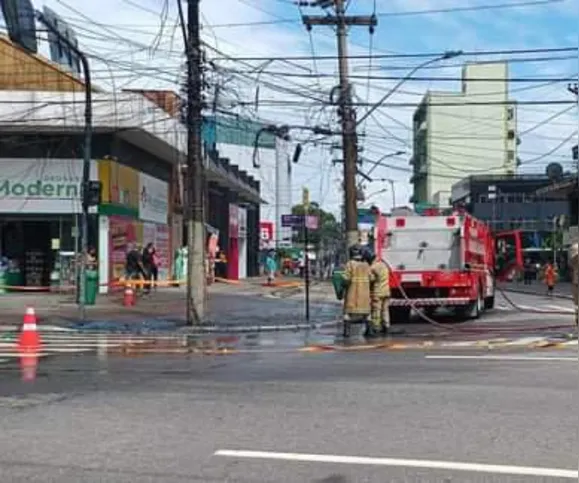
207,329
531,292
258,328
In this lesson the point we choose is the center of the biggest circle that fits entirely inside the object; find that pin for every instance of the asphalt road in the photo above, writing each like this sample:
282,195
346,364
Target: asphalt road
418,417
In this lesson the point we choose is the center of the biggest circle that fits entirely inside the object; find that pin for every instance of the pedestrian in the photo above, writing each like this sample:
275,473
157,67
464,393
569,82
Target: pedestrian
270,267
550,277
148,260
357,278
379,294
133,266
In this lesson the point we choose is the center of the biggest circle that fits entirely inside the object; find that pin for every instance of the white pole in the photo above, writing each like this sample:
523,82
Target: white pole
279,162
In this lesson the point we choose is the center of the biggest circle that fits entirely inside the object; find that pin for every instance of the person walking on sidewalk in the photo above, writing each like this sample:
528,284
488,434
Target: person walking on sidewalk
149,266
550,277
133,266
270,267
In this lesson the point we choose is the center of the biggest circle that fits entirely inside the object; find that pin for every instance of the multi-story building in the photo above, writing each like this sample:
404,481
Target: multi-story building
233,137
473,131
270,164
136,152
519,202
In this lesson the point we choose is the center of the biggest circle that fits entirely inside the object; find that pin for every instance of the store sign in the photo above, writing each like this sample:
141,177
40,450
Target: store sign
242,217
41,185
266,234
233,221
153,199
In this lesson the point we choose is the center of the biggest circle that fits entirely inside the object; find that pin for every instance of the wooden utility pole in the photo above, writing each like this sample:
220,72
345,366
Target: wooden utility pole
196,276
346,111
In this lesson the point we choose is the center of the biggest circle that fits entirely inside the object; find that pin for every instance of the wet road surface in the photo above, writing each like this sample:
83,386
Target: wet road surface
162,418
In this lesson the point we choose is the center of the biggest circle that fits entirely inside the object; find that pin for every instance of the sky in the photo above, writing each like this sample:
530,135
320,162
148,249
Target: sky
137,44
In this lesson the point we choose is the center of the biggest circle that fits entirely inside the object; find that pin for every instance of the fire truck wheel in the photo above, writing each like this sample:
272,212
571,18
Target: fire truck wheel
490,302
399,315
471,311
477,307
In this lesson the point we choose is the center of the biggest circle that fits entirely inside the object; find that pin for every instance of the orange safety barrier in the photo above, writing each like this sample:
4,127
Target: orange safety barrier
114,284
226,280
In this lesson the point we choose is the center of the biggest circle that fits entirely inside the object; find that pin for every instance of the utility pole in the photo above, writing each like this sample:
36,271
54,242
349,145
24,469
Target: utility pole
196,276
346,111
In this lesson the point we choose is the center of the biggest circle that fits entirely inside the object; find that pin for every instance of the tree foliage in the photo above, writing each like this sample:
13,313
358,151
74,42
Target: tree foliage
329,230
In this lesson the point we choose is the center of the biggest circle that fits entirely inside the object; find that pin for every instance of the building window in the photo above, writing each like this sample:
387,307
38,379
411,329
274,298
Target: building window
510,155
510,113
482,199
511,134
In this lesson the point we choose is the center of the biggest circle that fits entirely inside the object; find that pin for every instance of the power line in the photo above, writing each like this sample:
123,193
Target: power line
416,55
499,6
419,78
546,102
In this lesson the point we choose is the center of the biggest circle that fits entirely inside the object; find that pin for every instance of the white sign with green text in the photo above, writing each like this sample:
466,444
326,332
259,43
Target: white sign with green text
42,185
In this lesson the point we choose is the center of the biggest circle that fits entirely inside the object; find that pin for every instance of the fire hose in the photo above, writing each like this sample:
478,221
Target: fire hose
474,330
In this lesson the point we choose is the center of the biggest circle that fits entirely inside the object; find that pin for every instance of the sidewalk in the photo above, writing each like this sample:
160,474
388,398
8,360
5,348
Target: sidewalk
562,289
228,305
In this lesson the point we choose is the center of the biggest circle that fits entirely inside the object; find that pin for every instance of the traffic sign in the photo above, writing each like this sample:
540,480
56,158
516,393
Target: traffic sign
292,220
311,222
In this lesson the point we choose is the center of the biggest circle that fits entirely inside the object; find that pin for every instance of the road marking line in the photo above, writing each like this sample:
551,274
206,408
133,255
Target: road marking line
566,310
406,463
507,358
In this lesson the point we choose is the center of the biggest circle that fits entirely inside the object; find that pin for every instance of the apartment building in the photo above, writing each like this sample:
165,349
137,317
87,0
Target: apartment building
457,134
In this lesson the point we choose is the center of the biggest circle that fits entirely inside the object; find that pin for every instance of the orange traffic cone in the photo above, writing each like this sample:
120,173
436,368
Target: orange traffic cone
129,296
28,365
29,340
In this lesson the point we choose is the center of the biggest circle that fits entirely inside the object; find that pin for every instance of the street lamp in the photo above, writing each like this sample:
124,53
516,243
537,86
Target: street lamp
87,154
379,192
447,55
391,181
379,162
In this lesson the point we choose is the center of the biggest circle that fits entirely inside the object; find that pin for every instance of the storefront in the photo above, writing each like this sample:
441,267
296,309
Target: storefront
134,212
40,219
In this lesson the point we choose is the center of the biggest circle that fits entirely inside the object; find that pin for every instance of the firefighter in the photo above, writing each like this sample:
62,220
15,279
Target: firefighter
357,278
379,294
574,264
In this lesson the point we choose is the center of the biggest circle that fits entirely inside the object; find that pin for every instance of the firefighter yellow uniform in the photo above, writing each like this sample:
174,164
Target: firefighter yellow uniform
574,264
380,295
357,300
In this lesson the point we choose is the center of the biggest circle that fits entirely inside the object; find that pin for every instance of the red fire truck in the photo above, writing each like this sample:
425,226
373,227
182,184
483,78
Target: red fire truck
449,260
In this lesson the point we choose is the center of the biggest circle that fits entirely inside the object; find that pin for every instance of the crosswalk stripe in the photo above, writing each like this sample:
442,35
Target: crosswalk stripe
540,308
59,343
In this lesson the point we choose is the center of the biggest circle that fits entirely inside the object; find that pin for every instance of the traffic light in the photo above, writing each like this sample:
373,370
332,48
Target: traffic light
92,194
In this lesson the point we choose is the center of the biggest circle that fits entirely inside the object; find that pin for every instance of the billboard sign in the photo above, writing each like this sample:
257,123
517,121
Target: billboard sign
21,23
153,199
60,52
41,186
